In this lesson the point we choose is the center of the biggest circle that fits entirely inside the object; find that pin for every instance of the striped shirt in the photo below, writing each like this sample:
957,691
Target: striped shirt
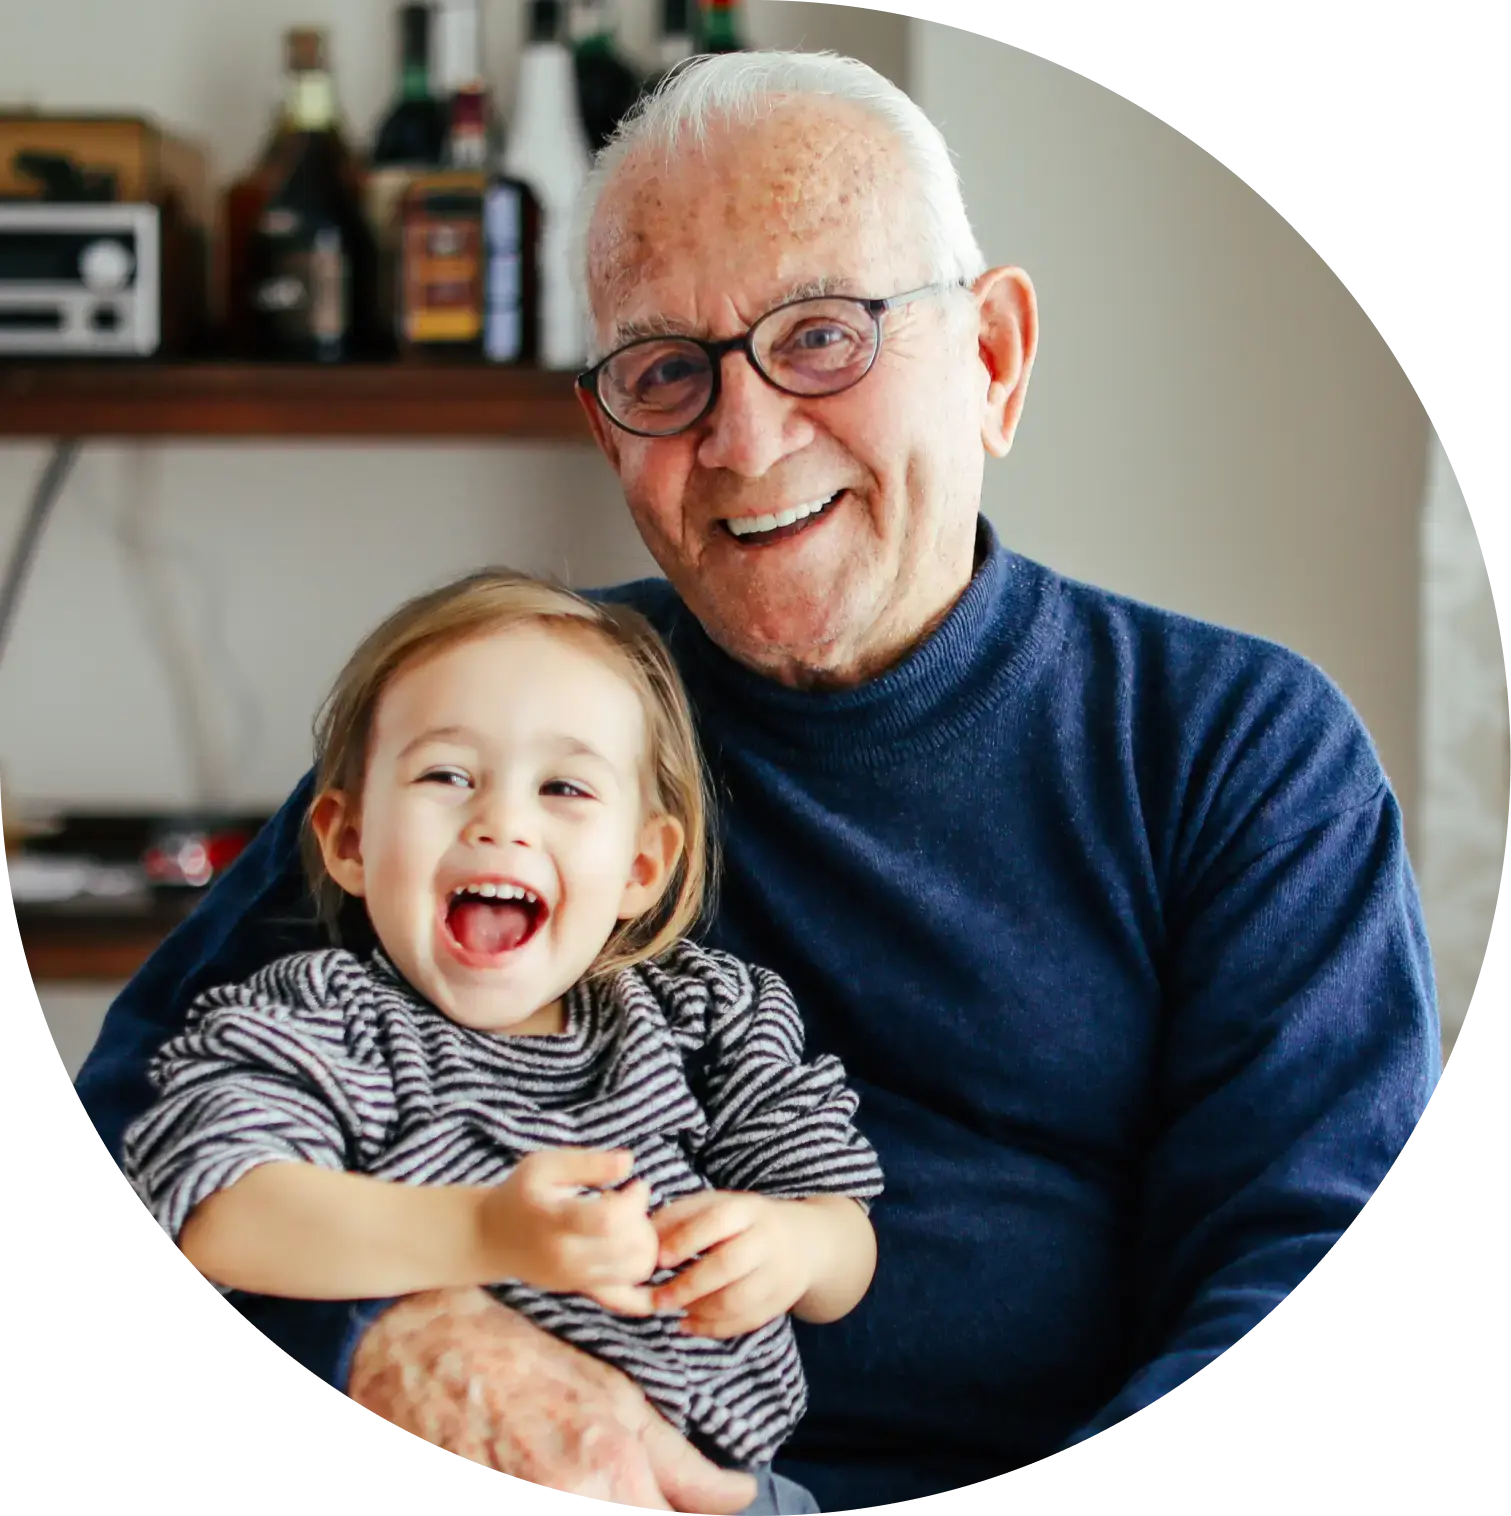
695,1063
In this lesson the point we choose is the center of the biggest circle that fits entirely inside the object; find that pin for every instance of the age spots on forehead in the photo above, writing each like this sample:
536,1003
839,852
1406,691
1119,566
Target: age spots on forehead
771,188
807,170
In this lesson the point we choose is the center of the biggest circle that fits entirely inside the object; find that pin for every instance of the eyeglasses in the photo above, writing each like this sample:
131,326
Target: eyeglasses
659,386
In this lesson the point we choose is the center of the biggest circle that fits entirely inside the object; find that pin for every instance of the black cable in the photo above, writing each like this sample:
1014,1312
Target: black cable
44,497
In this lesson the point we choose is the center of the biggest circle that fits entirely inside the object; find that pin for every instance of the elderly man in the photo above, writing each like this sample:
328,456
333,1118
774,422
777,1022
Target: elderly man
1108,912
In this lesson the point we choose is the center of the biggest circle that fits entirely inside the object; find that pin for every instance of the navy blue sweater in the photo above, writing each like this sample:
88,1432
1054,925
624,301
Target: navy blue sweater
1108,914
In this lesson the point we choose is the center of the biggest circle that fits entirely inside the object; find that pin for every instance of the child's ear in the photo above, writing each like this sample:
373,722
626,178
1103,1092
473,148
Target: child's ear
337,828
661,841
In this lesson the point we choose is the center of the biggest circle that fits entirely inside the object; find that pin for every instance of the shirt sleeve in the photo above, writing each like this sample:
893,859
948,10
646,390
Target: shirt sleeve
255,913
776,1124
261,1074
1301,1044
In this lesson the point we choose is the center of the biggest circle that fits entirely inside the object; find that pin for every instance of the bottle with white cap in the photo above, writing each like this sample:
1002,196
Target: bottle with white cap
548,150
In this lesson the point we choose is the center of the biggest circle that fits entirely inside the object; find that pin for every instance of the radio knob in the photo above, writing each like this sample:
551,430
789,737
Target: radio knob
105,265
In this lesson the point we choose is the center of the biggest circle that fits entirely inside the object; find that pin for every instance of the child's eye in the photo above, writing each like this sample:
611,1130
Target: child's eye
449,776
567,789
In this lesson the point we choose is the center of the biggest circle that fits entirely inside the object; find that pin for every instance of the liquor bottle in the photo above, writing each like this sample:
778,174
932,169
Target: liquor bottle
441,264
439,272
607,86
548,151
722,31
511,286
241,209
414,130
312,257
675,42
411,140
461,69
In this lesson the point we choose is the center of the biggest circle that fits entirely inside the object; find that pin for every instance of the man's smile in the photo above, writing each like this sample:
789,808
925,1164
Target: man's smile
779,526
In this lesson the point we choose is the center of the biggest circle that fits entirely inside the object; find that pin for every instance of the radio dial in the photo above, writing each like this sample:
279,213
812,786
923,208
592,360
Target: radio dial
105,265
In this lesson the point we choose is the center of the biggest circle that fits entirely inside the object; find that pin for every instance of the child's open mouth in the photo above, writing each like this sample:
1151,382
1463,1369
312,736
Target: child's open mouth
492,917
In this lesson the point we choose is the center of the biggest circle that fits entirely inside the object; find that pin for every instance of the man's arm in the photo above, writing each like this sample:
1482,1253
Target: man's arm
469,1375
1301,1045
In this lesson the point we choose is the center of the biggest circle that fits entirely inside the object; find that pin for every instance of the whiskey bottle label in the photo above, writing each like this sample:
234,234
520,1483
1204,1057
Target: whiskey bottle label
442,280
328,285
279,222
306,294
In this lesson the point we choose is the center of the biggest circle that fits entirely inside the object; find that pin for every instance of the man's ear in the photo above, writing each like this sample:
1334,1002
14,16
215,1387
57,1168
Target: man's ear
661,841
1009,338
337,828
605,433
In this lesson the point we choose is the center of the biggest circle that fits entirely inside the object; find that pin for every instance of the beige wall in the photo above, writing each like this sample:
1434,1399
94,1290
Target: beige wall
1213,424
264,563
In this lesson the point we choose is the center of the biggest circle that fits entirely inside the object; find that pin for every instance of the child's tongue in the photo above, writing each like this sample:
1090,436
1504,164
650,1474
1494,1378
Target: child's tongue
489,926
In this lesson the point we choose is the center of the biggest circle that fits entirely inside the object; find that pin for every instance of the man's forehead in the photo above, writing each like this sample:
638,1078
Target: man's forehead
793,205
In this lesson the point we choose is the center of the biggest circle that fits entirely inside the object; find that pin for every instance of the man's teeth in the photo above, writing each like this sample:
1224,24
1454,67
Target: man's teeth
499,892
748,526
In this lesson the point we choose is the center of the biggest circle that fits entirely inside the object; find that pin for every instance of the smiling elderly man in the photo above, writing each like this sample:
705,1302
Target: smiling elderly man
1107,911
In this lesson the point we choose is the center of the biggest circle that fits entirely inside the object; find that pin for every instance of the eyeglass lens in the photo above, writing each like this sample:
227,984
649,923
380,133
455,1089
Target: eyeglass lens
813,347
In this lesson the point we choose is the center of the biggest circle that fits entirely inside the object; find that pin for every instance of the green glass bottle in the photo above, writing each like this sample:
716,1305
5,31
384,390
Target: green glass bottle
721,30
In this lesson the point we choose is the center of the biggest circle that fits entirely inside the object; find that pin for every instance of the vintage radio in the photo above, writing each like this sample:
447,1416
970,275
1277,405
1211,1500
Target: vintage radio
102,246
80,280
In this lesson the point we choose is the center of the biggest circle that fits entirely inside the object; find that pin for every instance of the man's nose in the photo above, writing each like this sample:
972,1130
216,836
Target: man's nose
754,425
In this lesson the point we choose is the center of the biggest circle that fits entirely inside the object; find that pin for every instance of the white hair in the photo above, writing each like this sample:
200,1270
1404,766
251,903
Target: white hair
744,87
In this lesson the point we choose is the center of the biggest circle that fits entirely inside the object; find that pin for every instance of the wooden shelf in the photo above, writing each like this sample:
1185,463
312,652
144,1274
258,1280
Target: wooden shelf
84,949
411,400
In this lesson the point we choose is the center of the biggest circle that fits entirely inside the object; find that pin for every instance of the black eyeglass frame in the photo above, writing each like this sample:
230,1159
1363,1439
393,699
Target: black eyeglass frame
718,351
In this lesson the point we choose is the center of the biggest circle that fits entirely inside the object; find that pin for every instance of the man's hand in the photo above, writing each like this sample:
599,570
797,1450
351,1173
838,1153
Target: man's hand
757,1263
469,1375
538,1226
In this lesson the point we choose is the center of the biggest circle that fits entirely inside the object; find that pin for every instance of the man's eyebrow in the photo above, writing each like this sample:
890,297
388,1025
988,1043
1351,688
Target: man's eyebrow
671,326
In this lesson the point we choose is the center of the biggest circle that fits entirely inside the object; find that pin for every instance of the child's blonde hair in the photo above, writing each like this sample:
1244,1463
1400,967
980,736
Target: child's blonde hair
494,600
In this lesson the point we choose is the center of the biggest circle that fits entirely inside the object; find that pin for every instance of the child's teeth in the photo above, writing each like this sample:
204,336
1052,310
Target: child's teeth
490,891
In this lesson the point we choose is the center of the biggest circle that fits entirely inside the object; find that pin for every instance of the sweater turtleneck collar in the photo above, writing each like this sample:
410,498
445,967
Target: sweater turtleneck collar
985,645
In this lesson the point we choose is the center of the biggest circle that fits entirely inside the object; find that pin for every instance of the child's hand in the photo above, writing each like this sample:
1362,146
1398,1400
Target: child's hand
757,1260
538,1226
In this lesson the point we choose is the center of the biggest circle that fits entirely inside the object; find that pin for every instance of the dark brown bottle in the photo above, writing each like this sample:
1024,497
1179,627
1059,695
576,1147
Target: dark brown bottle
313,262
242,208
410,142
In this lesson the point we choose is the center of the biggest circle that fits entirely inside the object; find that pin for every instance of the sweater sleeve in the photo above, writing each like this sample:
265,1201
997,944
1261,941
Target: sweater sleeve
776,1124
252,915
1300,1048
262,1073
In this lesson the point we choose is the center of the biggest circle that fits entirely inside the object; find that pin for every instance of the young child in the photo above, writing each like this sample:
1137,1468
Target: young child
532,1081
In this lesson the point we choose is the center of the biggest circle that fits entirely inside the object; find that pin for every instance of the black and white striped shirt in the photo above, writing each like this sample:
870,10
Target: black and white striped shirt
694,1063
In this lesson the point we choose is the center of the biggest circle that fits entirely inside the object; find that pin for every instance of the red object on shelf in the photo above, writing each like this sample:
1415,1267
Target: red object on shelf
192,859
